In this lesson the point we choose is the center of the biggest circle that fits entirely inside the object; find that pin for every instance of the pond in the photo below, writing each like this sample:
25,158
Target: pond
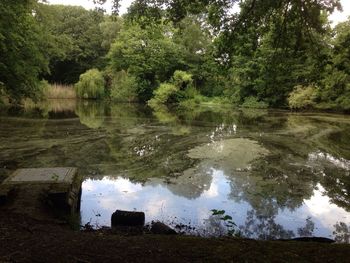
277,174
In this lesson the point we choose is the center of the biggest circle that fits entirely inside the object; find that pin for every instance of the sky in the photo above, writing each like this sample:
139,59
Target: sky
88,4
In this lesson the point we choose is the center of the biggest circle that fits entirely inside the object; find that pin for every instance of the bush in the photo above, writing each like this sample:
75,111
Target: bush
180,88
254,103
124,87
343,101
182,79
91,85
163,93
302,97
44,87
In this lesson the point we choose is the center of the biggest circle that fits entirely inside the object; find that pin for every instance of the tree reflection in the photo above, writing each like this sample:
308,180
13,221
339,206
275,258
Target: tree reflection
214,226
308,229
342,232
258,225
263,226
336,182
164,116
192,183
91,113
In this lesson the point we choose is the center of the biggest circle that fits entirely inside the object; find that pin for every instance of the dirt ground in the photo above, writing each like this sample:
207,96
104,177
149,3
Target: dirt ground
24,239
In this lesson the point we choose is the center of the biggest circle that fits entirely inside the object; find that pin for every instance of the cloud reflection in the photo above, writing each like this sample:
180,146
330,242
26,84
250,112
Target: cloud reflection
158,202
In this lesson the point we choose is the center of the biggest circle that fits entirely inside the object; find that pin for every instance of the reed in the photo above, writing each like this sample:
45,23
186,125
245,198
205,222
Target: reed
59,91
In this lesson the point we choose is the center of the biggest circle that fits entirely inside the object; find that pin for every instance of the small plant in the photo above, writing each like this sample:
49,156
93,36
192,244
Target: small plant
55,177
227,219
88,227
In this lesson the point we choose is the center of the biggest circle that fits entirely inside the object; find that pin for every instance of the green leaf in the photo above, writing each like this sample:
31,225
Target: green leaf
226,217
218,212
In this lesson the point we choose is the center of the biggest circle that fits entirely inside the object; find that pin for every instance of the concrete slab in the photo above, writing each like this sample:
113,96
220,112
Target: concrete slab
57,175
60,185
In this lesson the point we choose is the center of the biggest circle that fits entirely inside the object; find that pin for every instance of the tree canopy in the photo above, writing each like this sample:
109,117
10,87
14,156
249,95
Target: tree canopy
23,53
281,53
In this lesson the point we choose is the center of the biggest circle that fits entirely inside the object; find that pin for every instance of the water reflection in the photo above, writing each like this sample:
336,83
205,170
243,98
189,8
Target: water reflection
315,217
325,157
277,174
91,114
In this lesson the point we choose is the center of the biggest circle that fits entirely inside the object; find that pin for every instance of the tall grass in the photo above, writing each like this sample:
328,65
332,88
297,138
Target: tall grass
59,91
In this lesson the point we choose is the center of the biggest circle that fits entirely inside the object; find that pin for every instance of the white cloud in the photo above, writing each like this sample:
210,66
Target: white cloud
321,207
336,17
88,4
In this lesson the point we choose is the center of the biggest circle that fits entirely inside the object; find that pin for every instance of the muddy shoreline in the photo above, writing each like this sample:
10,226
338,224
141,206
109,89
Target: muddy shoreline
25,239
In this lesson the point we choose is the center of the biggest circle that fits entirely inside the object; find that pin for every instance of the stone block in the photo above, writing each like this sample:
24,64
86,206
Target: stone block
128,218
61,186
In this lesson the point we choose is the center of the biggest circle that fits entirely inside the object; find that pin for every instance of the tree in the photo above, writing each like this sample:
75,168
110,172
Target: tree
76,35
148,54
194,36
335,88
269,60
23,53
91,85
110,28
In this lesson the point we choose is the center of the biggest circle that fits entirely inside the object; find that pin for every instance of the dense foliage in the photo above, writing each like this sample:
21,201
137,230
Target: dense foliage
250,53
22,51
75,38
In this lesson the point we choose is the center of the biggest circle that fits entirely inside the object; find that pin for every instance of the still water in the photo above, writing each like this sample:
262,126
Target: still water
277,174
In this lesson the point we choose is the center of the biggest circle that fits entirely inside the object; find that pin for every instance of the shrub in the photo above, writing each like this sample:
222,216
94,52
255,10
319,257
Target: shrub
220,100
180,88
124,87
302,97
44,87
182,79
343,101
254,103
163,93
91,85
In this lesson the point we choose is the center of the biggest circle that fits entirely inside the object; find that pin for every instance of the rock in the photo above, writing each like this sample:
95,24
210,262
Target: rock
159,228
128,218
